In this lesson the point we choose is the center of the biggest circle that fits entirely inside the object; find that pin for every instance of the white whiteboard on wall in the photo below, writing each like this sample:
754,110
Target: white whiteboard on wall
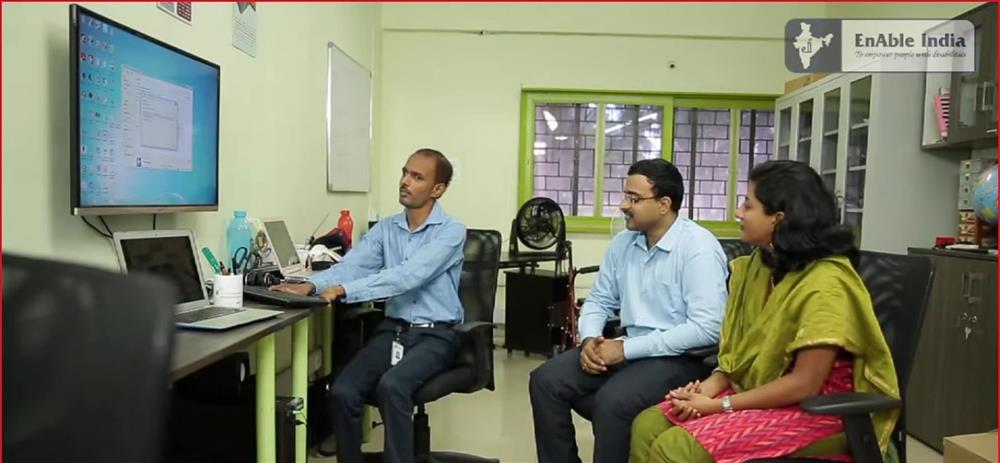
348,123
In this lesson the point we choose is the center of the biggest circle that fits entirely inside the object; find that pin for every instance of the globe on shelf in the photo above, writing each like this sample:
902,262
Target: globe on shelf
984,196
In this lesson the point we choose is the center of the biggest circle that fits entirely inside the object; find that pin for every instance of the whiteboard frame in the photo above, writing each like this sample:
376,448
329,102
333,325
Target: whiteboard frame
362,184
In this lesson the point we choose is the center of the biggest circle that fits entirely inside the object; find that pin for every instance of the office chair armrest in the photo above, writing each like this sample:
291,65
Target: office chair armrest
473,327
590,269
702,352
358,312
854,408
849,403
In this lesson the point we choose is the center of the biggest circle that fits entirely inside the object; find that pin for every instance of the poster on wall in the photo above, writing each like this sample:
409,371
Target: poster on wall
245,27
179,10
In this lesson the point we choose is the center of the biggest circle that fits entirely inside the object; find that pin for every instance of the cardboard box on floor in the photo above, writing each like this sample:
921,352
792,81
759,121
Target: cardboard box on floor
971,448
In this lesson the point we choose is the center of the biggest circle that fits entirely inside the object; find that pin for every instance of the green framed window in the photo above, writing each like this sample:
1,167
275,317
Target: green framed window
576,148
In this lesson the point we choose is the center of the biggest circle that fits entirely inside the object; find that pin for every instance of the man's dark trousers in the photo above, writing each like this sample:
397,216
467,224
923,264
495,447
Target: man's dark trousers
428,351
619,395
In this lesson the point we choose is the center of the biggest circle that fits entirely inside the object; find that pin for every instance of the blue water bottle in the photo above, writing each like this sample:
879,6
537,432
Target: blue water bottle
238,235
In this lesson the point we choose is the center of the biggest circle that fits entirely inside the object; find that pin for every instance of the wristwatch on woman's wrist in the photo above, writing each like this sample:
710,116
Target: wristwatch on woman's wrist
727,404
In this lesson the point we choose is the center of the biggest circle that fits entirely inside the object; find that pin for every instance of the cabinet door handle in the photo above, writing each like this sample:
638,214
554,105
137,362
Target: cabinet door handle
973,296
965,285
991,131
987,102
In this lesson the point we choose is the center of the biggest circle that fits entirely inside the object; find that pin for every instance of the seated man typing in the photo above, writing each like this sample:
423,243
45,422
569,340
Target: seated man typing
415,260
668,276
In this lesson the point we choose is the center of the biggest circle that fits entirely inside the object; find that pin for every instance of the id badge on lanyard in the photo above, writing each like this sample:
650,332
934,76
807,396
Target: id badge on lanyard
397,348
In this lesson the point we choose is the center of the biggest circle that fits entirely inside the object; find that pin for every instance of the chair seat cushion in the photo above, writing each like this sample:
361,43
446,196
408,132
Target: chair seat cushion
457,379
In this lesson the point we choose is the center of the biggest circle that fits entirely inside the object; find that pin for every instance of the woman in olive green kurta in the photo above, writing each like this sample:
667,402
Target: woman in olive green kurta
797,314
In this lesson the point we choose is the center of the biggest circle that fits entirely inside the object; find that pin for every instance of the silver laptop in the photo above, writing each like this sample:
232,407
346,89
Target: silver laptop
284,250
172,255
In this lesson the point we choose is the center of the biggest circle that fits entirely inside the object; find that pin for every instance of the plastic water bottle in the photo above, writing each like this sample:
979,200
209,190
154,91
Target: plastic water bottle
346,224
238,234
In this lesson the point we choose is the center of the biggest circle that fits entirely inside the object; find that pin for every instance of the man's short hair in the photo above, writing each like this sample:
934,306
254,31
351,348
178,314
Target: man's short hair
665,179
443,170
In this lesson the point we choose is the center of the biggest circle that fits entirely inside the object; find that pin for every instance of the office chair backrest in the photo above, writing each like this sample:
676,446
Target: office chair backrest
478,287
900,288
734,248
86,363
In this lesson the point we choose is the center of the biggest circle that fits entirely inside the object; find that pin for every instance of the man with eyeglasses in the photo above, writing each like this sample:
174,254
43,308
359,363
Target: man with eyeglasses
667,275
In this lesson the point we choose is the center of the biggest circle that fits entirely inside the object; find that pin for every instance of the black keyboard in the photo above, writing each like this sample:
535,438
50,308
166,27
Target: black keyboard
262,294
205,314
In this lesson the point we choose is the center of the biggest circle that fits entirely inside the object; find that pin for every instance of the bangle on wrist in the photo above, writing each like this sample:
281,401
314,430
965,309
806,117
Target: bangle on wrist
727,404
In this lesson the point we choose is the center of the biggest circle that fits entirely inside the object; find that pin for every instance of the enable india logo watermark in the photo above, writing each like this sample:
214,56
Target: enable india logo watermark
882,45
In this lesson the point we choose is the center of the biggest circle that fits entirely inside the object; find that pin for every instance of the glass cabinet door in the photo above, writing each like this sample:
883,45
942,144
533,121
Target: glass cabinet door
784,131
857,153
804,142
828,148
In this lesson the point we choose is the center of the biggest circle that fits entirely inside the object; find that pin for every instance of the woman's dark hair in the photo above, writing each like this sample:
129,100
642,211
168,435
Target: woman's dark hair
664,177
810,229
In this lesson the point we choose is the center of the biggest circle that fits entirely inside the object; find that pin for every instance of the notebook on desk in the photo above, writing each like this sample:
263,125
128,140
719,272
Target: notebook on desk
284,250
172,255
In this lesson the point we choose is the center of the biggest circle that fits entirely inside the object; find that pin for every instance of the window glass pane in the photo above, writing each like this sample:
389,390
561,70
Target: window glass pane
762,141
631,133
564,155
565,143
701,152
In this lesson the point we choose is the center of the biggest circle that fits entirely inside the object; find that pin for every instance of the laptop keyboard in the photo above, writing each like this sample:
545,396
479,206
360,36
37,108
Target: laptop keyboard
262,294
205,314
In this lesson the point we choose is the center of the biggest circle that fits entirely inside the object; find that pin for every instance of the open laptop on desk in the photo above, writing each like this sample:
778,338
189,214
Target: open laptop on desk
281,243
171,254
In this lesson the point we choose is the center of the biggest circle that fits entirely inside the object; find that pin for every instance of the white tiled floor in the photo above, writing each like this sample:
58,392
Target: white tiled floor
498,424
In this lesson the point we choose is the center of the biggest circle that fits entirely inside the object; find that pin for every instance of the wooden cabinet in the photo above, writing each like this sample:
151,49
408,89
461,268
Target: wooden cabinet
952,388
528,320
973,94
862,133
972,113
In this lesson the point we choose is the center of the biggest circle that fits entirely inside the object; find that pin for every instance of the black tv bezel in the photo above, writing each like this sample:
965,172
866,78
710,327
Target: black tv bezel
75,206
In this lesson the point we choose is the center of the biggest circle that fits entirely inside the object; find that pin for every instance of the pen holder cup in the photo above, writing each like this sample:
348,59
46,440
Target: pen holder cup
227,290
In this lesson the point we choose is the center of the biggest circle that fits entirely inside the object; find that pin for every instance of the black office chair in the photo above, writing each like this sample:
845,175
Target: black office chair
86,363
473,367
734,248
900,288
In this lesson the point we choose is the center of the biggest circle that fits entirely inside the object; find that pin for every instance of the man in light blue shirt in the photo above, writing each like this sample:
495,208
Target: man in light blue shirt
667,275
415,260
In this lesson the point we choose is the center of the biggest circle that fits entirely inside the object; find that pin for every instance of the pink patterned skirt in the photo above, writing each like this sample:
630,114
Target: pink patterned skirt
767,433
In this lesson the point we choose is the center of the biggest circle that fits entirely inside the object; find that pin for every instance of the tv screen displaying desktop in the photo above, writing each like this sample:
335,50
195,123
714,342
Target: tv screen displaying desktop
145,122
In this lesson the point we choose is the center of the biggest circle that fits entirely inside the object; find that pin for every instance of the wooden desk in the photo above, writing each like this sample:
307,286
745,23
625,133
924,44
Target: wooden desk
197,349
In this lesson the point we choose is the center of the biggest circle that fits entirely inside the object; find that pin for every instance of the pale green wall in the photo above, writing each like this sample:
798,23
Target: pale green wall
460,91
452,74
438,83
904,10
273,142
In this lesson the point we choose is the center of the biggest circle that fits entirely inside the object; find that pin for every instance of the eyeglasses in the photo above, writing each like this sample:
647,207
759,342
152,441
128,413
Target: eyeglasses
632,200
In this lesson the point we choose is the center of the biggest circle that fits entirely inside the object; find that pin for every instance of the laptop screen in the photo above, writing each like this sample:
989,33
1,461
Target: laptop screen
168,257
284,248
